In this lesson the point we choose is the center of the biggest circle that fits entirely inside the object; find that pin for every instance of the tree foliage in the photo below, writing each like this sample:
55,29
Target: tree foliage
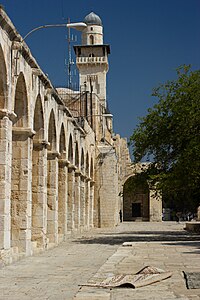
169,135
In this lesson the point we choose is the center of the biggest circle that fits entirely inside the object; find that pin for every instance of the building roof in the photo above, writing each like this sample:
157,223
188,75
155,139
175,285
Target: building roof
92,19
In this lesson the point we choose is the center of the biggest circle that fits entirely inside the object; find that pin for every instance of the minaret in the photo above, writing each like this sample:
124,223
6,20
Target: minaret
92,58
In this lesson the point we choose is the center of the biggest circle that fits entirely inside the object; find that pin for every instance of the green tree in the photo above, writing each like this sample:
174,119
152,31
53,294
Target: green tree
169,135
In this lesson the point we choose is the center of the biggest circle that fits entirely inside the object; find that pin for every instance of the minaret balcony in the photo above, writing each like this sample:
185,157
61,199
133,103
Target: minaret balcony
92,60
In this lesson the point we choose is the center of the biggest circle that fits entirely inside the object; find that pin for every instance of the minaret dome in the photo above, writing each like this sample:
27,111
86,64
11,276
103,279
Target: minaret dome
92,19
93,33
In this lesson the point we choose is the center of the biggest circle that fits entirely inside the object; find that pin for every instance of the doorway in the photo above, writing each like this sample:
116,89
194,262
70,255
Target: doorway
136,210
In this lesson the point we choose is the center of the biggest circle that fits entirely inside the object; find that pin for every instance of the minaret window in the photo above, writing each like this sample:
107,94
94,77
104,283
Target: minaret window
91,28
91,55
91,40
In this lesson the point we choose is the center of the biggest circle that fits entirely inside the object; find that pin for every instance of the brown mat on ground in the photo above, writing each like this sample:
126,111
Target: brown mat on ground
146,276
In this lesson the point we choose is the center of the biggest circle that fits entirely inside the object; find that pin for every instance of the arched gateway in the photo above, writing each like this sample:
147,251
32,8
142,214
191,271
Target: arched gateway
140,201
135,200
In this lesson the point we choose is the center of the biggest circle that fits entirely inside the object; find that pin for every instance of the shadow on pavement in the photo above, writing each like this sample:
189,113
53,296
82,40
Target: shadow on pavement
176,237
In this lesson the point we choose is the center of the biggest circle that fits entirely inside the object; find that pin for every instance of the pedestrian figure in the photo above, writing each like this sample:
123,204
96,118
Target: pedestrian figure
178,215
120,215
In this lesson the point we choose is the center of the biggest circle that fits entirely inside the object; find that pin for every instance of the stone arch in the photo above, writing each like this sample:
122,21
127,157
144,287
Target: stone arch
70,149
52,132
21,171
62,141
3,80
38,177
62,186
136,199
21,103
38,121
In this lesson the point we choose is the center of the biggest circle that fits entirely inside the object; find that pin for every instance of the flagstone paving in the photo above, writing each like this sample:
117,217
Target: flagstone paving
59,273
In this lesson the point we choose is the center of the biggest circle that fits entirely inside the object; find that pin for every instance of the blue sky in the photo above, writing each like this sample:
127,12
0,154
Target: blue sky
149,39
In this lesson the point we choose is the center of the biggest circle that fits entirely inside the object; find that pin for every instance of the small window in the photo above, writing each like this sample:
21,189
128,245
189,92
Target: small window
91,28
91,40
91,55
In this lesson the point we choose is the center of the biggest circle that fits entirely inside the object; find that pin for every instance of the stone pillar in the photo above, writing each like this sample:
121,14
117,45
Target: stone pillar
21,195
5,177
77,199
62,197
82,201
87,201
70,211
52,197
39,193
91,204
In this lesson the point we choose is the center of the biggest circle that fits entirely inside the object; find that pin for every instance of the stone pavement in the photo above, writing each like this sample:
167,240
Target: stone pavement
59,273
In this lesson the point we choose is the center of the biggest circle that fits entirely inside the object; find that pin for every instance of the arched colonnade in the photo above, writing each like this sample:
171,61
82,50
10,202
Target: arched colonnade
46,160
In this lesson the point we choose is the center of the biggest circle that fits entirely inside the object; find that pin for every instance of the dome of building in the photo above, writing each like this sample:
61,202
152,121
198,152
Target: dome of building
92,19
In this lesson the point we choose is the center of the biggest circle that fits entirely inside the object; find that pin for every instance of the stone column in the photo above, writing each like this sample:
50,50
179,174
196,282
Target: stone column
82,201
77,199
5,177
21,195
52,196
87,201
91,203
39,193
62,197
70,211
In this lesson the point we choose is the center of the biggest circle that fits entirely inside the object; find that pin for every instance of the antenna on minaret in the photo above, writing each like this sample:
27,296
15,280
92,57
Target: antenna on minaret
70,62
